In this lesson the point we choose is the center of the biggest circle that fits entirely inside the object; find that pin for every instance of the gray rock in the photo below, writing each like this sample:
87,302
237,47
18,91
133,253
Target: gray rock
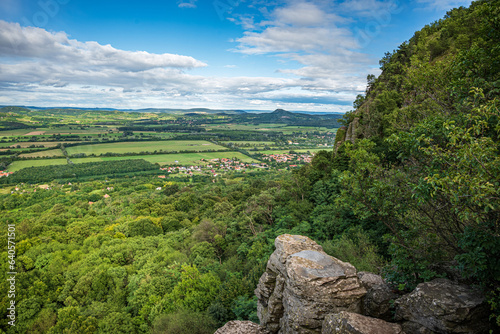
302,284
351,134
443,306
379,302
379,298
352,323
414,328
370,279
241,327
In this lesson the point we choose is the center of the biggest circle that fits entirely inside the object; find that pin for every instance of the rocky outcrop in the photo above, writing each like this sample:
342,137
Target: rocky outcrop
352,323
241,327
339,137
305,291
351,130
302,284
379,298
443,306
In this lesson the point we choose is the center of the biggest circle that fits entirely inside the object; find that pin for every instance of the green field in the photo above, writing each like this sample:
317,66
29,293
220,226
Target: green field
145,146
17,165
26,144
171,159
49,153
246,127
16,132
162,135
75,131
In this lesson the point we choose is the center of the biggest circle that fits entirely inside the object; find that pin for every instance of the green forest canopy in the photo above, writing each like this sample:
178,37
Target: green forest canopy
416,196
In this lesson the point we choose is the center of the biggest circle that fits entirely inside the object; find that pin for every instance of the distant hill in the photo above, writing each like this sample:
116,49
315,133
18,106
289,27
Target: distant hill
13,109
25,109
290,118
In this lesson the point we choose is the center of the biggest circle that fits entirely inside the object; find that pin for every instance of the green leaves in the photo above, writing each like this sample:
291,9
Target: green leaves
195,291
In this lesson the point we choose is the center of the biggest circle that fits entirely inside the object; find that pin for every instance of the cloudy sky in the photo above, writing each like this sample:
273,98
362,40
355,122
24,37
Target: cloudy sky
228,54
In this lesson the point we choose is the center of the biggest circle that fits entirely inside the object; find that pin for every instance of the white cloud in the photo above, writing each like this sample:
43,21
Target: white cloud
188,4
301,14
245,20
37,43
312,35
295,39
44,68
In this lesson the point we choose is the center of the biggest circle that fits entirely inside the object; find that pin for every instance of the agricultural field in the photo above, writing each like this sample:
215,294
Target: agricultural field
17,165
162,135
43,154
145,146
91,135
174,159
5,134
77,131
27,144
246,127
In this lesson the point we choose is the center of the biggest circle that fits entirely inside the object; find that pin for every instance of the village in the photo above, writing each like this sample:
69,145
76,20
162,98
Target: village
217,166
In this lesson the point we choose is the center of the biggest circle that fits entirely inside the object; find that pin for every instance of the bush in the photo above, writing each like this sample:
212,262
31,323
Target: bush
355,247
184,322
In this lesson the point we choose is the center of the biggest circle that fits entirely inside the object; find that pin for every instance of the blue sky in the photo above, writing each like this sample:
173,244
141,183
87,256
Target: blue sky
221,54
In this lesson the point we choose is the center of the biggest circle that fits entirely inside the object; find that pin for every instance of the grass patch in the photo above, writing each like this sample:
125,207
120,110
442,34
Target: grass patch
13,133
41,154
17,165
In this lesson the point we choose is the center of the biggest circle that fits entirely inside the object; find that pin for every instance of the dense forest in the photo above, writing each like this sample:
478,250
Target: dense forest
425,161
75,172
411,191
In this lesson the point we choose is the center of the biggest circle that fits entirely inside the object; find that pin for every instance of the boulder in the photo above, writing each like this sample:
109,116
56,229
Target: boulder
443,306
352,323
370,279
241,327
379,302
414,328
379,298
302,284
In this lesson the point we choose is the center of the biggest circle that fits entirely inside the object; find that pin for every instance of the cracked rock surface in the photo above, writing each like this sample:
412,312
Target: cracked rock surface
302,284
443,306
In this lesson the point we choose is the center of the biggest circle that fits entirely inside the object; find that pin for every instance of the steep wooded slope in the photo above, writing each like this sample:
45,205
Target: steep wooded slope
421,151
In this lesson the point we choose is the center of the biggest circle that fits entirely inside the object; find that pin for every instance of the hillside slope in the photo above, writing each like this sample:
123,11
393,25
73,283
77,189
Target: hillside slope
421,152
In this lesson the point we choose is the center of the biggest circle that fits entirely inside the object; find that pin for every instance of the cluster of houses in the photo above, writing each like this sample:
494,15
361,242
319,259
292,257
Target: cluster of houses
2,173
214,166
288,157
27,190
